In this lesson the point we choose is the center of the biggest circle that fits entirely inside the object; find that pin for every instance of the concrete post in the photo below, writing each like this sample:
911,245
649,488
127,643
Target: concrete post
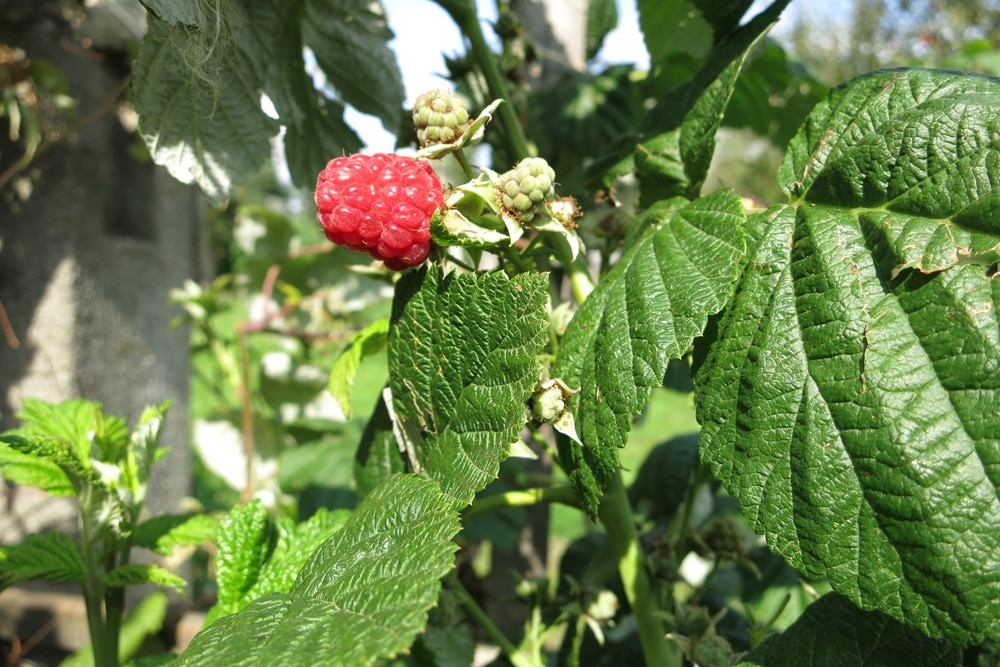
93,240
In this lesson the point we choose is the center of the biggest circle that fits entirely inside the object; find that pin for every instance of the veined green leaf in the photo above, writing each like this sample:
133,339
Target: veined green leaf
294,546
191,12
315,130
669,26
366,342
851,397
462,360
602,18
166,532
144,450
244,543
61,432
31,470
832,630
363,594
42,557
378,457
198,100
244,577
350,41
646,311
135,574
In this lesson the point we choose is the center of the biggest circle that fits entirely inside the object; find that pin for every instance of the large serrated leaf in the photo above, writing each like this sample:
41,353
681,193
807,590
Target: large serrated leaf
258,557
602,18
134,575
646,311
165,532
198,100
366,342
315,131
675,163
350,41
671,26
462,360
364,594
49,557
245,542
378,457
832,631
851,400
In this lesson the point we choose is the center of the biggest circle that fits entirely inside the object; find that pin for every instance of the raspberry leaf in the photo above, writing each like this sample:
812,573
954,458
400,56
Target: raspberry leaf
46,557
646,311
462,363
314,121
378,457
851,397
368,341
834,631
205,123
350,41
362,595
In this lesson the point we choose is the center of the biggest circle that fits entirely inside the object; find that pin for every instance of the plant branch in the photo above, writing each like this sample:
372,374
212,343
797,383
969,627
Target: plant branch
8,330
463,13
616,515
246,412
521,498
477,614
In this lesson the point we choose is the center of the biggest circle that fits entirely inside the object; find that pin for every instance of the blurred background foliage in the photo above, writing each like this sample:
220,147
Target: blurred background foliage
285,302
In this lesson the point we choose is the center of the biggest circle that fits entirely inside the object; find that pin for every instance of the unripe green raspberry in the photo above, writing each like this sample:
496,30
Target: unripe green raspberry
712,651
440,117
525,188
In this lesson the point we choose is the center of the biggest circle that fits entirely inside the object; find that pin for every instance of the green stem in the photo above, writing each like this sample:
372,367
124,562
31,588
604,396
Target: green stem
464,163
102,640
616,515
463,13
521,498
576,269
476,613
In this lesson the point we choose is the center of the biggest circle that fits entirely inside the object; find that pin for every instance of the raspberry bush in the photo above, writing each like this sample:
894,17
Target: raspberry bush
839,346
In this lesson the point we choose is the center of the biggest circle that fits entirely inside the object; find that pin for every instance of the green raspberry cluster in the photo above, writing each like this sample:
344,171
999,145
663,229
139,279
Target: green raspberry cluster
440,117
525,188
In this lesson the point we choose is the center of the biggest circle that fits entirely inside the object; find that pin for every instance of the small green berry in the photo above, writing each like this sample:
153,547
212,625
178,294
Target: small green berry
525,189
440,117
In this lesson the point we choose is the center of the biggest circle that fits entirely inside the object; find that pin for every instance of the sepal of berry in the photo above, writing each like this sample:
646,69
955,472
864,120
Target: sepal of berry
560,218
550,405
381,204
472,218
472,134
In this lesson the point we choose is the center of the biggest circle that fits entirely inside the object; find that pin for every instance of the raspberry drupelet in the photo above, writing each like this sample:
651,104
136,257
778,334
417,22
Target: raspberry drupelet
380,204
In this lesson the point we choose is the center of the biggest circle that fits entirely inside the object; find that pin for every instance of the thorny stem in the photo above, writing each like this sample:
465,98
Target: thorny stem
103,642
616,516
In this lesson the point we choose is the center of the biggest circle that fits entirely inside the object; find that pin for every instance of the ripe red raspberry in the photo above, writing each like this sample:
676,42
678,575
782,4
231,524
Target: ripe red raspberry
380,204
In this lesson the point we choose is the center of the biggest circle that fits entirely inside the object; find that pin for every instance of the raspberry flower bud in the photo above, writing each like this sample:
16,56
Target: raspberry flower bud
440,118
524,190
380,204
